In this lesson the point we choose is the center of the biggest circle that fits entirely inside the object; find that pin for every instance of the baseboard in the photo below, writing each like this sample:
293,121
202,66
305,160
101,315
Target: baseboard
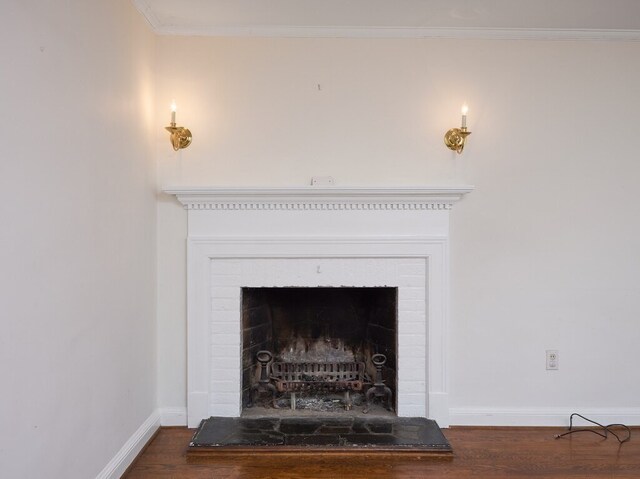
173,416
130,450
540,416
439,408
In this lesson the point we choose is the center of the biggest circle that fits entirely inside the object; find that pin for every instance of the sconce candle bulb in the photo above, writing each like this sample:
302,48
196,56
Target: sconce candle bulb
456,137
179,136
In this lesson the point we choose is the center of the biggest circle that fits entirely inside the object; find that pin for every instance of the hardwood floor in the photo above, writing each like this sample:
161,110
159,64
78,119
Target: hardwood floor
478,453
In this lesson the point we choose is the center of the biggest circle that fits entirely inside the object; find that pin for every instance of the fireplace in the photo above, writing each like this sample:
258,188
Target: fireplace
325,239
328,338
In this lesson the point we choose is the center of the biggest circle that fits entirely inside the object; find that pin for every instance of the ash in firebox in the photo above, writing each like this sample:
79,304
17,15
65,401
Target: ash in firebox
323,350
327,403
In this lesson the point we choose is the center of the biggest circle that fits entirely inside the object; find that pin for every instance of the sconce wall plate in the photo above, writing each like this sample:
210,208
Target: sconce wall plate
455,139
180,137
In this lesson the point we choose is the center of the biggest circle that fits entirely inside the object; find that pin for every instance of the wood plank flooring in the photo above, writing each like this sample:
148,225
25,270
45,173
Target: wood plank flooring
478,453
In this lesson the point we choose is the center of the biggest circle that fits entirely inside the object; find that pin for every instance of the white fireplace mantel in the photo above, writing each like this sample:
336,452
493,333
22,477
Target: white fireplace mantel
309,237
423,197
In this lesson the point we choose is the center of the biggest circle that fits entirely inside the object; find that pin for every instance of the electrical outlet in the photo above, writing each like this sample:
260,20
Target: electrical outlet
322,181
552,360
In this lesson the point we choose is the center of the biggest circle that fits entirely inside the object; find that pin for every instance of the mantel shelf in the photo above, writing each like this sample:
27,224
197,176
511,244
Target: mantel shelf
315,198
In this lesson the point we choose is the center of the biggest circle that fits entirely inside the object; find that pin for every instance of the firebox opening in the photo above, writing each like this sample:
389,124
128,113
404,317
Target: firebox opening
324,338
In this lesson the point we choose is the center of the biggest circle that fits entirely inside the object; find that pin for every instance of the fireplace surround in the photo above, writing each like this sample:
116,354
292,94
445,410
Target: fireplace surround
317,237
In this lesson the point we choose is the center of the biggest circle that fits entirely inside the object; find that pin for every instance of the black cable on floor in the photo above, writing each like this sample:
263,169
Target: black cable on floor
605,429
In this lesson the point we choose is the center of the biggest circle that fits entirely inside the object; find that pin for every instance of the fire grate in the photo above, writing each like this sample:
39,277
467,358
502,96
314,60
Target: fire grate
319,377
330,377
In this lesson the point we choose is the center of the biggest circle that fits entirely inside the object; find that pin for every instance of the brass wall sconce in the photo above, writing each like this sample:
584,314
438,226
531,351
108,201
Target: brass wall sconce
179,136
456,137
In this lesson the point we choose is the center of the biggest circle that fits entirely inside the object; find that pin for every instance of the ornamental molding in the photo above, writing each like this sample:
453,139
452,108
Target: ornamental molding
326,31
314,198
470,33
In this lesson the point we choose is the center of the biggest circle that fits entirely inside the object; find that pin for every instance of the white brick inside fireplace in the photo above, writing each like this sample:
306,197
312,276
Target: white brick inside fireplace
308,237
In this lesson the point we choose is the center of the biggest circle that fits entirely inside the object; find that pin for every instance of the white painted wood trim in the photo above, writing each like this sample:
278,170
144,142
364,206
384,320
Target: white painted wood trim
173,416
130,450
480,33
382,32
143,7
313,198
541,416
433,249
229,244
198,332
329,225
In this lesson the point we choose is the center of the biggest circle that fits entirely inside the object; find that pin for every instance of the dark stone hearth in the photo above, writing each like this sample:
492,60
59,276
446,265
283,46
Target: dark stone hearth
291,426
314,440
259,425
406,434
379,427
335,430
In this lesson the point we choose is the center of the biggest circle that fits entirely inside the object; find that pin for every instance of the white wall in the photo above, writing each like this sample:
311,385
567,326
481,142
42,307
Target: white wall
544,251
78,281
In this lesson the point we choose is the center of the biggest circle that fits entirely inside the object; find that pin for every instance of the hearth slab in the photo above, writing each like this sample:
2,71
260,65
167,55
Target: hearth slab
223,435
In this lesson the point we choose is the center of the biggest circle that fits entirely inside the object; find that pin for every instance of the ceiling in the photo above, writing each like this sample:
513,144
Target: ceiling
395,18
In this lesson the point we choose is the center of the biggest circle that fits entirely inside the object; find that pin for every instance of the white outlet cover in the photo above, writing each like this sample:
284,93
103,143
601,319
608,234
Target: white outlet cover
322,181
552,360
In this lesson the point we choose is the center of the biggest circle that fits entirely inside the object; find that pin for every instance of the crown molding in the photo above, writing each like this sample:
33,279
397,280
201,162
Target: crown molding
302,31
147,12
313,198
477,33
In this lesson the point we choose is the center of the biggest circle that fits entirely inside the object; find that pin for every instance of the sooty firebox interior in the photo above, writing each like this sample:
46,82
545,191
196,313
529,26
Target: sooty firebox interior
332,337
